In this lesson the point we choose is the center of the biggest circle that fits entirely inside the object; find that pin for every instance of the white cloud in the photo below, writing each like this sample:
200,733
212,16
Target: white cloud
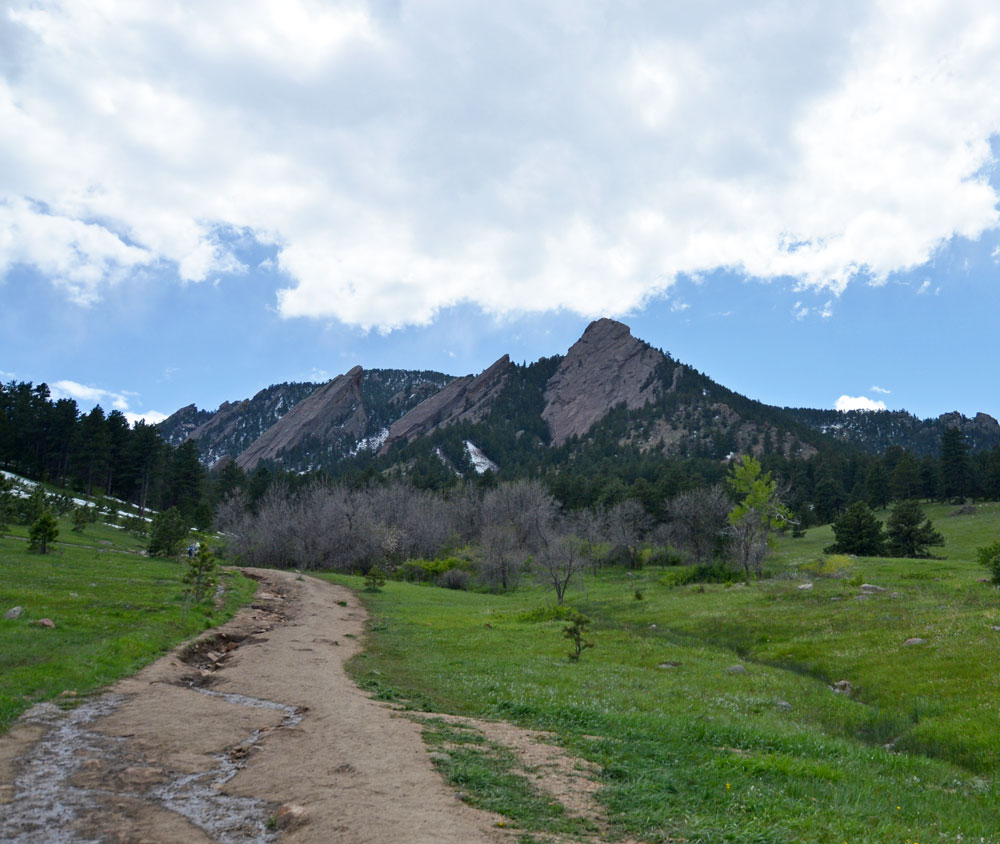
83,393
150,417
924,287
858,403
679,307
403,158
88,395
881,390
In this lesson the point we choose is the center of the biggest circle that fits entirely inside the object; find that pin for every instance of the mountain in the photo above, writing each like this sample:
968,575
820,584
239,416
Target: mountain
610,397
466,399
874,431
606,367
335,418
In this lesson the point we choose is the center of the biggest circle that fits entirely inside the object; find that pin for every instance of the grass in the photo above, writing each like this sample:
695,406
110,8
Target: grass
114,611
691,751
491,778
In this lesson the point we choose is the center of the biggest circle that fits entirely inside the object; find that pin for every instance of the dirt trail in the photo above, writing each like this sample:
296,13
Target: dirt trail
253,734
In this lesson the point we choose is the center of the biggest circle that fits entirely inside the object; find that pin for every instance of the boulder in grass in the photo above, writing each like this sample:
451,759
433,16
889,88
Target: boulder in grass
13,612
736,669
916,640
45,622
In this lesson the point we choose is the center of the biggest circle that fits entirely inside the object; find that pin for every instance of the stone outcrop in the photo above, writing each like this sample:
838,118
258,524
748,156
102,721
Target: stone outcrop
466,399
605,367
331,412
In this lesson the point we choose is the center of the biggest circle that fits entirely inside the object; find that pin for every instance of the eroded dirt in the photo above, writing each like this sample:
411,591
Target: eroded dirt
252,734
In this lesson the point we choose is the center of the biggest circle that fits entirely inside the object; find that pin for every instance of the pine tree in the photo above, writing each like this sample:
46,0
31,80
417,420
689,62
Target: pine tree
910,532
43,531
954,465
857,532
877,488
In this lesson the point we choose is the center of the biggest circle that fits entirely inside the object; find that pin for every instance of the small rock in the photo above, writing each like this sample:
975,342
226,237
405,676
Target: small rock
652,626
842,687
670,664
995,627
895,594
13,612
806,586
864,596
290,816
736,669
67,693
45,622
783,705
915,641
871,587
984,579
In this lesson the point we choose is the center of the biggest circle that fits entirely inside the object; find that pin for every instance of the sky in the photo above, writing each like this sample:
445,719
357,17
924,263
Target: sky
798,199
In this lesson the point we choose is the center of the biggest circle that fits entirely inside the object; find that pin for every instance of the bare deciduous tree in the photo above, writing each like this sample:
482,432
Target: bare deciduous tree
698,521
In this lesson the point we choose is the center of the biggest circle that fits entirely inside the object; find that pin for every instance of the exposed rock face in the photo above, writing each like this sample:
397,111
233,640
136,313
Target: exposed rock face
605,367
178,426
236,425
466,399
331,412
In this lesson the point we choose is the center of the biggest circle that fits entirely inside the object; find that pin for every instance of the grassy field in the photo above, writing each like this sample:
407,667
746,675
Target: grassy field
690,747
114,611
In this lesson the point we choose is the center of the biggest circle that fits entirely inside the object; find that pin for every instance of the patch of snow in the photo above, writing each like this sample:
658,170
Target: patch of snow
480,462
372,443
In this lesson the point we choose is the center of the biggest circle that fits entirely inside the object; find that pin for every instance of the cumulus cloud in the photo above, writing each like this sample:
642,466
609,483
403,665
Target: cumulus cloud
89,395
150,417
84,393
858,403
400,158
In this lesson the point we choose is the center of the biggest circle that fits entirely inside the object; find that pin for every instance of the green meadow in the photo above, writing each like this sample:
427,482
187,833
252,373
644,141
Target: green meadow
114,611
708,708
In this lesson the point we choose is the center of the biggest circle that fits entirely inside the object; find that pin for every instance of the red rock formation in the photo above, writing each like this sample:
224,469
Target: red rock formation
605,367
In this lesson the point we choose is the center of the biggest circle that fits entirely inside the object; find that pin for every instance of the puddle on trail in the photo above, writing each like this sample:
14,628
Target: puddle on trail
47,806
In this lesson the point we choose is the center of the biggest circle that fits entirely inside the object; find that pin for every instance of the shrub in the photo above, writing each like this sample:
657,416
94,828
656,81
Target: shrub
988,556
454,579
829,565
202,573
374,579
575,631
682,575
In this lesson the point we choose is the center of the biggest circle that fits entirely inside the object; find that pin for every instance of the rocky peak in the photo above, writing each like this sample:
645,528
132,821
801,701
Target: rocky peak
605,367
466,399
332,412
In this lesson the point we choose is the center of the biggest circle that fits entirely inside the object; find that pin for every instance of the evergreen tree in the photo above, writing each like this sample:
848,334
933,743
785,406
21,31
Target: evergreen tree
954,465
167,533
91,450
43,531
877,489
857,531
828,499
905,481
910,532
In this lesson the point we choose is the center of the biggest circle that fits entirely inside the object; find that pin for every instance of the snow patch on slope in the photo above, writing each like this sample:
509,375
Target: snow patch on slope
480,462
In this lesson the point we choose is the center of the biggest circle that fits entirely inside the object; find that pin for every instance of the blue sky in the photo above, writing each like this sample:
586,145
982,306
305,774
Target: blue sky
799,200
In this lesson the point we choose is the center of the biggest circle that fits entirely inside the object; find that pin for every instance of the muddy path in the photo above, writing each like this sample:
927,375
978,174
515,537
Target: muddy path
253,734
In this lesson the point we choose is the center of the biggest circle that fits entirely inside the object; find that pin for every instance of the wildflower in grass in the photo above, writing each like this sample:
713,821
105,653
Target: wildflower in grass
727,786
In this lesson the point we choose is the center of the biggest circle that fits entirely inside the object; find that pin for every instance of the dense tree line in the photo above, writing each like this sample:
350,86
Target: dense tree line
99,454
